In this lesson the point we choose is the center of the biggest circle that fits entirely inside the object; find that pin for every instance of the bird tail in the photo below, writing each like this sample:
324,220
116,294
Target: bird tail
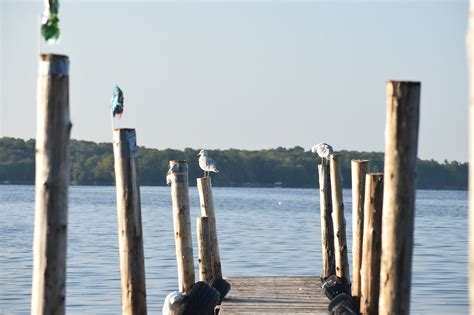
216,171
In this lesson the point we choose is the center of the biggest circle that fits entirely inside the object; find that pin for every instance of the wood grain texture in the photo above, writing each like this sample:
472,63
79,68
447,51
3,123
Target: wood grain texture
359,169
204,249
401,145
182,227
207,209
51,188
339,222
327,229
275,295
372,244
132,261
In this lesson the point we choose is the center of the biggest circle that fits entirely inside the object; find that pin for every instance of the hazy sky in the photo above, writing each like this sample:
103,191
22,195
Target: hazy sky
246,75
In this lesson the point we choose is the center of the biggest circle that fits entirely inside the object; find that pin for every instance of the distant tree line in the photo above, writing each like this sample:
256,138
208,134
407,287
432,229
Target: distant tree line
93,164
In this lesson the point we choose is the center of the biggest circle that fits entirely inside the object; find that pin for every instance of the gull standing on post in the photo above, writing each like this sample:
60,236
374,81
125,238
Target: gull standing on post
206,163
324,151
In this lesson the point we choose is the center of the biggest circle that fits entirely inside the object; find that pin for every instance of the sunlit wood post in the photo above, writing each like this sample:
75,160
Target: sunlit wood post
132,260
327,229
204,249
178,178
470,53
51,185
372,247
401,145
207,209
339,222
359,169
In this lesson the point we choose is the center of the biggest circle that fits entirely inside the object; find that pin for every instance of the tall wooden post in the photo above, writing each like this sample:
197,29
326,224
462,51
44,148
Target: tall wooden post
339,222
401,144
178,178
327,229
51,181
371,253
204,248
207,209
470,53
359,169
132,262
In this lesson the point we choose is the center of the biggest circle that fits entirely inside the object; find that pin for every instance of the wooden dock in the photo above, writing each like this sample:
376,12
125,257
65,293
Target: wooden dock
275,295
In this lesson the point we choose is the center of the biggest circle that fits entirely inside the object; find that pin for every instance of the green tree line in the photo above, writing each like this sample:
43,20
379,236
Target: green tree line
93,164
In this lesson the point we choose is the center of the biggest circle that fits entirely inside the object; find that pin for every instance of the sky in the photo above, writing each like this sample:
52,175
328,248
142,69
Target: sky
245,75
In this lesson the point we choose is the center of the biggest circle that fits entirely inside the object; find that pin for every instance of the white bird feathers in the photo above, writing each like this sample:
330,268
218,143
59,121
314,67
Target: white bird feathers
206,163
324,151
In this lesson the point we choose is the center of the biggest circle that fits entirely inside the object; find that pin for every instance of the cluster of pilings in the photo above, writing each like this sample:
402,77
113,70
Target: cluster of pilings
383,211
51,210
203,296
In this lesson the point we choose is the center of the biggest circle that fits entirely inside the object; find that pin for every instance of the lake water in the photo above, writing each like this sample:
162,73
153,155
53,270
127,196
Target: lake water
262,231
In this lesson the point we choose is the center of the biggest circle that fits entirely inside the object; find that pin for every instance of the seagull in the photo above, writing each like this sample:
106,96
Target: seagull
117,101
206,163
324,151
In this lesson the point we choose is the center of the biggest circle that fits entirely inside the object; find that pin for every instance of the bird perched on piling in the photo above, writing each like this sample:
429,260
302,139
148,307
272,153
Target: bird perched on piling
117,101
206,163
323,150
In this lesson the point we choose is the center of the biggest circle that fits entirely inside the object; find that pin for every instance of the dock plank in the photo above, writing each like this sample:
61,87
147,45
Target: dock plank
275,295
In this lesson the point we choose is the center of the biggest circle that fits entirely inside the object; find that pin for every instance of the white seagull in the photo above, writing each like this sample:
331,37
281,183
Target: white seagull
324,151
206,163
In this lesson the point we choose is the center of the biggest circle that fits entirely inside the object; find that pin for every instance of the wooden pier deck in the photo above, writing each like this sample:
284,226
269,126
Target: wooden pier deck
275,295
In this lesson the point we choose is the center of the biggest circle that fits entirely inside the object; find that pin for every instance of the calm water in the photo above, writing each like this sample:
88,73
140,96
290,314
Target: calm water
261,232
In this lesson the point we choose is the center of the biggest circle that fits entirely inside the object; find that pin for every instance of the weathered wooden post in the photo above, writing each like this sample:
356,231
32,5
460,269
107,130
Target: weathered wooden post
372,250
327,230
178,178
207,210
470,53
52,181
359,169
401,144
132,263
204,248
340,242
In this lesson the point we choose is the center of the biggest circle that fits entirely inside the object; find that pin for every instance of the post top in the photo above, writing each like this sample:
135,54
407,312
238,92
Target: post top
51,57
413,83
124,134
51,64
360,161
178,172
178,161
124,130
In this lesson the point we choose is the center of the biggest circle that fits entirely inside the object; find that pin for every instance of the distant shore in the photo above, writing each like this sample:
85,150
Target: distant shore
93,164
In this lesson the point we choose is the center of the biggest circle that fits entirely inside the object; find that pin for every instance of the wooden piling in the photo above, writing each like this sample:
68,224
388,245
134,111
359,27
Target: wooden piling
401,144
204,248
339,223
207,209
132,264
178,178
51,186
359,169
327,229
470,57
372,242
